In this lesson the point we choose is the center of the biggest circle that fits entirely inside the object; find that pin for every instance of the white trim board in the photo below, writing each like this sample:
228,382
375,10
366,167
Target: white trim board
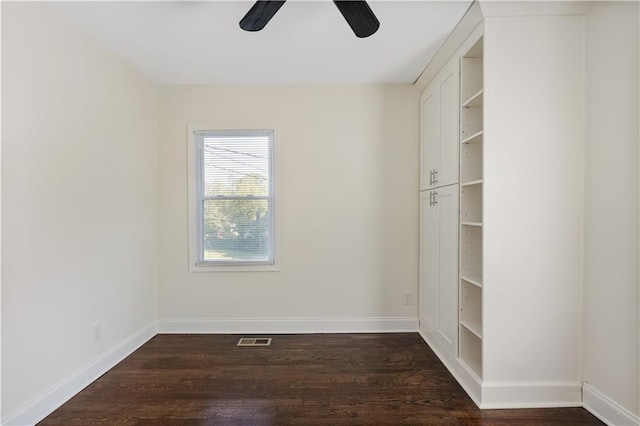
41,406
503,395
531,395
287,325
605,409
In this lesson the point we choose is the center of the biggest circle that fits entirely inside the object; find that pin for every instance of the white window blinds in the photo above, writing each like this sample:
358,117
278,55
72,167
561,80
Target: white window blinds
235,197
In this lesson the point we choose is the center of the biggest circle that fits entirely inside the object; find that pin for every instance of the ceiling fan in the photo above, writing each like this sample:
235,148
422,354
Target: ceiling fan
358,15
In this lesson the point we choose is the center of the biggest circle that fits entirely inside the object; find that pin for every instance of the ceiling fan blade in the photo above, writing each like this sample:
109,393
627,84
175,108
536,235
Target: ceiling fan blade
260,14
359,16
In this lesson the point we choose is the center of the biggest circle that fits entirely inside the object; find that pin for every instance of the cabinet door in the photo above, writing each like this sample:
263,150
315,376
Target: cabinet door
439,135
429,136
446,200
449,144
429,260
439,265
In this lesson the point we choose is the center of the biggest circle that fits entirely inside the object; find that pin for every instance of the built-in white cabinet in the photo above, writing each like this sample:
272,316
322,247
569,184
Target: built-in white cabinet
439,130
500,253
439,207
451,219
439,265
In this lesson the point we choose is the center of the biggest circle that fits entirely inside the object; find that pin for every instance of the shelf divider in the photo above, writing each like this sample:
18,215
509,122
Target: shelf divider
472,326
474,101
474,138
472,279
472,182
479,224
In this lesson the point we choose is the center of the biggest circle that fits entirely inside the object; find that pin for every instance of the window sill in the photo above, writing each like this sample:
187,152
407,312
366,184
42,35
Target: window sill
233,268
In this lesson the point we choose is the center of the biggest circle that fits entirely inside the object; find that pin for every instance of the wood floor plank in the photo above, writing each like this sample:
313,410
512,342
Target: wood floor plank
318,379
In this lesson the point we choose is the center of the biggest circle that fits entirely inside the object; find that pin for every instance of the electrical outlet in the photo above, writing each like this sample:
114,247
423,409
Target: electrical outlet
408,298
97,331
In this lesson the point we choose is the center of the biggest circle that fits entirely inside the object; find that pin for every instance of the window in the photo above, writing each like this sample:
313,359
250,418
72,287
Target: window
232,199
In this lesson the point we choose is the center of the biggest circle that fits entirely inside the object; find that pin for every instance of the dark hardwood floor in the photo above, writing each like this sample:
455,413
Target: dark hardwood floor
318,379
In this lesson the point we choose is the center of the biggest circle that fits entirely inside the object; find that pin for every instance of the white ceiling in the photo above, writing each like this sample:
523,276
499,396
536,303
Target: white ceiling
307,42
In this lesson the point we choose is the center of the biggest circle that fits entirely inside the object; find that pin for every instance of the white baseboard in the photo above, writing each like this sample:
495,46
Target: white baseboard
38,408
488,395
531,394
287,325
607,410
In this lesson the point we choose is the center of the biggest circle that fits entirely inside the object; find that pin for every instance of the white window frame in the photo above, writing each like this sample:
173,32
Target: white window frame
196,264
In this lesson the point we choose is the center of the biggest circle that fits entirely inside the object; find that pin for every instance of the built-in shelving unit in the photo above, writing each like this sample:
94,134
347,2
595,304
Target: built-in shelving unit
471,218
507,111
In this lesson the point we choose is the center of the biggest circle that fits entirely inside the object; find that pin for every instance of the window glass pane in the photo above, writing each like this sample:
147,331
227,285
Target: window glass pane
236,230
236,165
235,199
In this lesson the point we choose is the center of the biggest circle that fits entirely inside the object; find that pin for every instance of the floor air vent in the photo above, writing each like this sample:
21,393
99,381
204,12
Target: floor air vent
252,341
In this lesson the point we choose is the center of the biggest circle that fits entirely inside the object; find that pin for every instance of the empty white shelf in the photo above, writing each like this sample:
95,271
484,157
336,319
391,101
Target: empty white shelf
474,138
474,101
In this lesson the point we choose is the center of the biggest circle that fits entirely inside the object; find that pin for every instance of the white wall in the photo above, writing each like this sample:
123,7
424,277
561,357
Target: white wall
348,163
79,201
610,346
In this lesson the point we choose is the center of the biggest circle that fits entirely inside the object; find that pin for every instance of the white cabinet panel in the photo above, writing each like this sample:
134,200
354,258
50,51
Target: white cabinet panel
429,259
439,264
448,155
430,136
447,206
439,145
